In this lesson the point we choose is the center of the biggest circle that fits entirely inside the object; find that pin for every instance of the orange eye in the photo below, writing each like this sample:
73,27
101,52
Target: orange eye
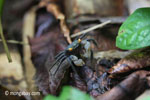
79,40
70,49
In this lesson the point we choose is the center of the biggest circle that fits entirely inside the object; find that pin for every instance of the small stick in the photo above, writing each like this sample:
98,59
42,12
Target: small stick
15,42
91,28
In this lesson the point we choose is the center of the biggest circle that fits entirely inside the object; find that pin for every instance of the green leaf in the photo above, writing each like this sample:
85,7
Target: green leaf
147,98
50,97
134,33
70,93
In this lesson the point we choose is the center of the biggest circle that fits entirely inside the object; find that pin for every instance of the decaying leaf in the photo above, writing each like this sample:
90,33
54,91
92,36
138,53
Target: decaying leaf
54,8
136,60
44,49
128,89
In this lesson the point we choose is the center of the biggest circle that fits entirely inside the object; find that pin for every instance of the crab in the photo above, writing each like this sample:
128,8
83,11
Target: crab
78,50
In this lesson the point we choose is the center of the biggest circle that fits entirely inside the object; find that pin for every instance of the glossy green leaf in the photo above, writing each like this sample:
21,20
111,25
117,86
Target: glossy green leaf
134,33
70,93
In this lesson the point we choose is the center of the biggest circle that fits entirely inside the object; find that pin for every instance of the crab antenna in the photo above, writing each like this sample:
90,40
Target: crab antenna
82,36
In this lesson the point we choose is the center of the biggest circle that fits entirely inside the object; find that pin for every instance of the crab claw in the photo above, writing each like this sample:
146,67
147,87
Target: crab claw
76,61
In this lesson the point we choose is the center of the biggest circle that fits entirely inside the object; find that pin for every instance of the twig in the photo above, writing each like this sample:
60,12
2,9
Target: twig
114,20
91,28
4,43
15,42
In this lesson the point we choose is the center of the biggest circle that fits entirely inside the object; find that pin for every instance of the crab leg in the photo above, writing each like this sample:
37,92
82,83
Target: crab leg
71,64
60,62
87,46
92,56
92,40
57,60
59,54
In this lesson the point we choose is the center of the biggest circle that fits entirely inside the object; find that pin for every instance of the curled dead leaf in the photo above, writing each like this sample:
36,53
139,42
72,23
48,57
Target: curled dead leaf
136,60
135,84
54,8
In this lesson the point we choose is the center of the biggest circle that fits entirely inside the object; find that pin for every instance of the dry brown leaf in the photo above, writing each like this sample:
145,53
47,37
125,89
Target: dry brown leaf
136,60
129,88
54,8
44,49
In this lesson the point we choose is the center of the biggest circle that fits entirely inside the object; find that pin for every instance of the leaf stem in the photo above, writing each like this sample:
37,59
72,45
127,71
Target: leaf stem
15,42
4,42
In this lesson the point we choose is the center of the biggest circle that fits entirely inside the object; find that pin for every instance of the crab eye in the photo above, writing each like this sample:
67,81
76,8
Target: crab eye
79,40
70,49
